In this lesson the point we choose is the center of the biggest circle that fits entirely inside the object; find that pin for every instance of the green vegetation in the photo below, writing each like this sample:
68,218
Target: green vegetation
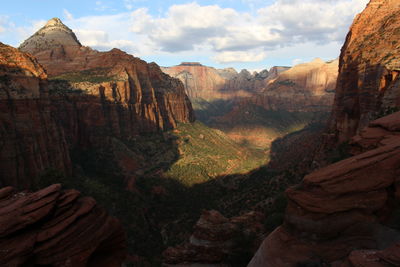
206,153
205,110
95,75
287,83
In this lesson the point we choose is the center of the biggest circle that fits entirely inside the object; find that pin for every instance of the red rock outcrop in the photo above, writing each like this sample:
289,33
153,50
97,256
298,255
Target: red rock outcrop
204,82
207,83
305,87
90,96
31,140
342,207
369,69
148,99
374,258
217,240
55,227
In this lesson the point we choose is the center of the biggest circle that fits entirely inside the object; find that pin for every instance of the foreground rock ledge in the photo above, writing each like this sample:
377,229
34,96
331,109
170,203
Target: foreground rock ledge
56,227
337,215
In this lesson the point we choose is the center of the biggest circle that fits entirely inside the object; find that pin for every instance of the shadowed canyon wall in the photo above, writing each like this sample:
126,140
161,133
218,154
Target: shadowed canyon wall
369,82
345,214
90,97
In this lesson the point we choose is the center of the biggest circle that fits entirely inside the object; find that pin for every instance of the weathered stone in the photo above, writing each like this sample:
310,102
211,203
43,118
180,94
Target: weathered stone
58,228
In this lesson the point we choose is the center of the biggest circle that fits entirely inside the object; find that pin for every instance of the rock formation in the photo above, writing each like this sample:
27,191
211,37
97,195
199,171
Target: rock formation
305,87
90,96
345,214
202,82
31,139
53,35
55,227
342,207
217,240
149,99
369,82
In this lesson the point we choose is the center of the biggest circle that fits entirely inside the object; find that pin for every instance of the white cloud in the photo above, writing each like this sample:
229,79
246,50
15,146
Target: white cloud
284,23
239,56
319,21
224,34
184,27
68,15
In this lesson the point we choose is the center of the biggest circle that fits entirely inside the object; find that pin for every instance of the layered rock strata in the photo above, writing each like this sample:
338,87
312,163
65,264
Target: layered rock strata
218,241
55,227
305,87
137,95
368,83
31,139
89,98
344,206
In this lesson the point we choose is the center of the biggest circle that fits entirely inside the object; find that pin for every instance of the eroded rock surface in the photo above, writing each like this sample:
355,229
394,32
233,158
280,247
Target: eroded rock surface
344,206
368,83
31,139
218,241
136,94
59,228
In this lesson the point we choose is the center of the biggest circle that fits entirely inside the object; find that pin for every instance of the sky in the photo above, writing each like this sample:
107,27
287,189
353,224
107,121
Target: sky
251,34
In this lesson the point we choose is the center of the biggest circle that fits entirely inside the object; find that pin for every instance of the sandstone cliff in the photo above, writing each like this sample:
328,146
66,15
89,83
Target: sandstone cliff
54,227
31,139
346,214
305,87
90,98
212,84
344,206
149,99
369,82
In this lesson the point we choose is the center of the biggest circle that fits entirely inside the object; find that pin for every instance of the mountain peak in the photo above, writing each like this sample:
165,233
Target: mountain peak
52,35
54,22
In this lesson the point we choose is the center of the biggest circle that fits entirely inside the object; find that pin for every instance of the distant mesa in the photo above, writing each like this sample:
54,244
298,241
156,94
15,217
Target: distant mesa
190,64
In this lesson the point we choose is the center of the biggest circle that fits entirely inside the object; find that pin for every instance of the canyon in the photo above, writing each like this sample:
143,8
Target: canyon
288,167
257,108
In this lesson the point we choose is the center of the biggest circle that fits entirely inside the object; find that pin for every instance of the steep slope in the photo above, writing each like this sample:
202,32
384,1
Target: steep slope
210,84
344,206
31,139
295,98
58,228
150,99
305,87
94,97
206,153
368,84
347,213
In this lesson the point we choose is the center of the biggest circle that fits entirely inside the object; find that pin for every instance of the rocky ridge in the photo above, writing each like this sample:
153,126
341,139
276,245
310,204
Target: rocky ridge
32,140
90,98
342,207
217,240
346,214
368,84
59,228
304,87
150,100
54,34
